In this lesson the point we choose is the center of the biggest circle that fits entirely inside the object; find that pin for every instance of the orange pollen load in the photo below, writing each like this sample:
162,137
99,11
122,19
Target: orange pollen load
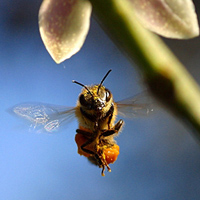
111,154
80,140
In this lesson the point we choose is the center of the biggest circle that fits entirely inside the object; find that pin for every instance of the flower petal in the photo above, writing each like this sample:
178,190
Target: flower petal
169,18
64,25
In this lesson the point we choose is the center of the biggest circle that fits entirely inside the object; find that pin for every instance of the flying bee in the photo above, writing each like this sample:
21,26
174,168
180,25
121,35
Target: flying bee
96,112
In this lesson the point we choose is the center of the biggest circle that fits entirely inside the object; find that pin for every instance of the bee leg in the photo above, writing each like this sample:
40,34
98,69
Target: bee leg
114,130
100,160
89,141
82,132
102,164
103,169
86,144
118,125
109,120
108,133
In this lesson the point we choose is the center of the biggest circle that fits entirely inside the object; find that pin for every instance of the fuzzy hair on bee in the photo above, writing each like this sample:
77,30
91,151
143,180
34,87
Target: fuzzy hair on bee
94,109
96,113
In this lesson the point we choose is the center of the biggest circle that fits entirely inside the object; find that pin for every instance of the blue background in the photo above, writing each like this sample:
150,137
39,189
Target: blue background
159,158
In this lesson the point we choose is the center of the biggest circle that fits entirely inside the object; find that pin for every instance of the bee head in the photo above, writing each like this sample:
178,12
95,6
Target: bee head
95,97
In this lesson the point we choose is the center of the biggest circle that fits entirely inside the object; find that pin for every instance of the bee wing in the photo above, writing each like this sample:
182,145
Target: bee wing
136,106
44,117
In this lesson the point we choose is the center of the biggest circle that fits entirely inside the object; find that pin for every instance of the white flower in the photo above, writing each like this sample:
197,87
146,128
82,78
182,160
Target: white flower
169,18
64,24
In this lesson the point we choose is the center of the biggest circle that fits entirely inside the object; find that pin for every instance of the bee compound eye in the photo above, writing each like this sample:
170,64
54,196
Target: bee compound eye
108,95
84,102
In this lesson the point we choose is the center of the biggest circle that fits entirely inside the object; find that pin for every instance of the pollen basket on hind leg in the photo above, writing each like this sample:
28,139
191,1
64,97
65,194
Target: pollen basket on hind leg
80,140
111,153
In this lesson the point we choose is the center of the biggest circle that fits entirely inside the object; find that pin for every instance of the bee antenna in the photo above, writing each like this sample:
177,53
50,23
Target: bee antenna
103,80
83,86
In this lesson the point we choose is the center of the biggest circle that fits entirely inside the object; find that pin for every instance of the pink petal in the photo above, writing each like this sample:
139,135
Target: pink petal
169,18
64,25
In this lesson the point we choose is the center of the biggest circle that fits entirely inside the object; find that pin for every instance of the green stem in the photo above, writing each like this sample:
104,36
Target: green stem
166,77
